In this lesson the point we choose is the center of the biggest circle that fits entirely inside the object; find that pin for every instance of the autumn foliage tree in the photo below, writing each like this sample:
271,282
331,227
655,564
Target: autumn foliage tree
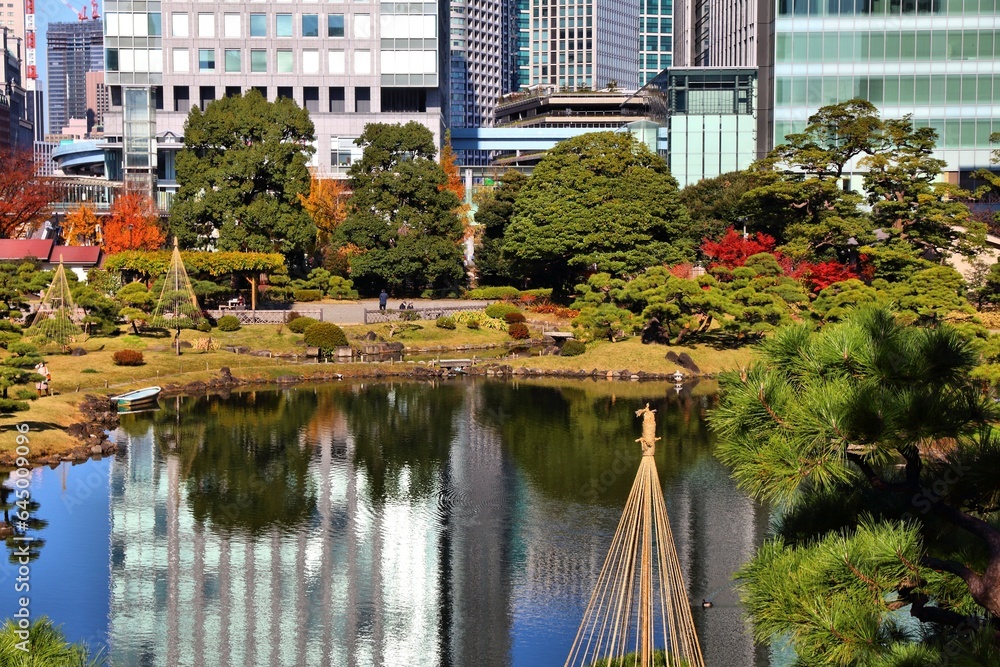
326,205
83,226
24,195
133,224
733,249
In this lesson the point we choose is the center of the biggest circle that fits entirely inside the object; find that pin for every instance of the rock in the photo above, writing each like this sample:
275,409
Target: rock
372,336
653,332
78,352
97,450
261,353
672,356
685,360
288,379
185,345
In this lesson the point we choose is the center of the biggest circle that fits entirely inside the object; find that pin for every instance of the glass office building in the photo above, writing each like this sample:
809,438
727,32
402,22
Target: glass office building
938,60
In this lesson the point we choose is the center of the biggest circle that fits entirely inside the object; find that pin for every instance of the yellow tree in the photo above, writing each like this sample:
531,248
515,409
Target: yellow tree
326,205
83,227
133,224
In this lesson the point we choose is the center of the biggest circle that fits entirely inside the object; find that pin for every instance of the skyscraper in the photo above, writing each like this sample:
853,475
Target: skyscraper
580,44
73,50
715,33
936,61
475,80
347,64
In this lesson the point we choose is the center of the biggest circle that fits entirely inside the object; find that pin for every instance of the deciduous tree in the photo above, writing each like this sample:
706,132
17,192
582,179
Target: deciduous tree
25,197
496,209
326,205
83,227
133,224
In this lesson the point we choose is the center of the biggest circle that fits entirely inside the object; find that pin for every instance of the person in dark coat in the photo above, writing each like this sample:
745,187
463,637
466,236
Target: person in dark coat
383,299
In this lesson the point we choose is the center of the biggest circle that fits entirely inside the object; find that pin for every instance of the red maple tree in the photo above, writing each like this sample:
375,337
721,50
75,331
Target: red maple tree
821,275
734,248
25,197
133,224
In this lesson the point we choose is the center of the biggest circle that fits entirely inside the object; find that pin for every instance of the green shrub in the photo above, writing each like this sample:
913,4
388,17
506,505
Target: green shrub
327,336
538,293
127,358
500,310
514,318
490,293
473,324
341,288
519,331
300,324
26,394
445,322
573,348
90,370
204,326
308,295
229,323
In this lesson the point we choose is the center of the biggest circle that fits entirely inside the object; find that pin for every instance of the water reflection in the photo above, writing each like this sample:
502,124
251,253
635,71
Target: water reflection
457,523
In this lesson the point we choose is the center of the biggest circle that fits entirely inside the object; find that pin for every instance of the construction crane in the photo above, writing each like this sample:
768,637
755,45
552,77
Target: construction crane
81,14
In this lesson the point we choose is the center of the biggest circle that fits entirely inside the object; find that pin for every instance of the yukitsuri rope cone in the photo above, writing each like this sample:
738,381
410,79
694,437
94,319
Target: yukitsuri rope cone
639,614
56,318
177,307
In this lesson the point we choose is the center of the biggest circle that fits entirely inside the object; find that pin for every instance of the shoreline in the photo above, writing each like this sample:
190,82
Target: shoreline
84,436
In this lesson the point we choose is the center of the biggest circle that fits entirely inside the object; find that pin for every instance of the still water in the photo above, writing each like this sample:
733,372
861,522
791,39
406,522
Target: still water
456,523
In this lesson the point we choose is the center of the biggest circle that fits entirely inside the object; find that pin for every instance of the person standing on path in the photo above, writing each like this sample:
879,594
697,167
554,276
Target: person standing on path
42,387
383,299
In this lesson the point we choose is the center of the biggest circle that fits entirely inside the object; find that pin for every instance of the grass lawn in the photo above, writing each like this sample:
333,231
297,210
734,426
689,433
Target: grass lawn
429,334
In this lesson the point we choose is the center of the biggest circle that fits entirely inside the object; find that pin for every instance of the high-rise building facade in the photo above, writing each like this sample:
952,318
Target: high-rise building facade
12,18
715,33
347,64
476,66
595,44
938,61
97,100
73,49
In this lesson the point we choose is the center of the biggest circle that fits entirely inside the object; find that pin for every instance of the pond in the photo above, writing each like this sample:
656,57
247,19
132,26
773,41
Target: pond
460,522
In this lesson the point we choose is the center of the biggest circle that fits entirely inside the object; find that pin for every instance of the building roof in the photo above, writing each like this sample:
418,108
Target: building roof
47,251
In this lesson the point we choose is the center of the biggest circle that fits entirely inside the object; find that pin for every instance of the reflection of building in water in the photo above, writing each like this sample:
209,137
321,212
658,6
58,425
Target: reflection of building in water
414,580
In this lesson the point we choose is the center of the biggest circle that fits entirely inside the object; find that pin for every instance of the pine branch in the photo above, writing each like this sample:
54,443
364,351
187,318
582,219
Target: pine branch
925,614
873,477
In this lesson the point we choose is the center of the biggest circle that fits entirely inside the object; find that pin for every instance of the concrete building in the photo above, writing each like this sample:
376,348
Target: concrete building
476,66
12,18
715,33
97,101
16,128
349,65
73,49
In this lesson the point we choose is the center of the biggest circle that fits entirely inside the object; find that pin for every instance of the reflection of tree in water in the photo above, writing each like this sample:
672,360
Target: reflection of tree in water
241,458
402,433
576,443
15,527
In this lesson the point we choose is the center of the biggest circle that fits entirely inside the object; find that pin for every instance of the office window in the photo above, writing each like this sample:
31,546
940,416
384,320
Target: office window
232,60
343,152
232,25
337,62
260,89
233,91
283,25
111,60
258,60
337,99
310,25
310,98
335,25
206,60
182,61
362,61
310,61
362,100
182,99
285,92
206,95
179,24
155,24
258,25
206,25
362,26
285,61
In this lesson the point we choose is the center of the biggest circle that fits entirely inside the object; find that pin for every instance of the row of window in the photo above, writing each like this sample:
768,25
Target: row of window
906,45
257,25
959,133
310,97
283,61
884,7
133,25
906,90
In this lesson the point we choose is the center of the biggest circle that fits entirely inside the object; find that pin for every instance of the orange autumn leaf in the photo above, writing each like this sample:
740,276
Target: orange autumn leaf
133,224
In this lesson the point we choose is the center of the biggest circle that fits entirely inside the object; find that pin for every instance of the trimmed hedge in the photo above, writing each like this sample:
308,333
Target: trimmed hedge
229,323
473,324
445,322
327,336
300,324
500,310
493,293
127,358
573,348
308,294
514,318
519,331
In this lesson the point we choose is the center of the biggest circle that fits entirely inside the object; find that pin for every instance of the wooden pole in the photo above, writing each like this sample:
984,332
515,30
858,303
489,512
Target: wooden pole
253,291
646,577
